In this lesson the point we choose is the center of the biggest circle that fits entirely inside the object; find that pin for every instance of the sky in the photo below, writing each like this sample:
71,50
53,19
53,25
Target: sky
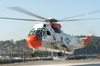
58,9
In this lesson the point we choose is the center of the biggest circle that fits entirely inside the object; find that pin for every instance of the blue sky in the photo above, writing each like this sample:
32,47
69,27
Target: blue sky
58,9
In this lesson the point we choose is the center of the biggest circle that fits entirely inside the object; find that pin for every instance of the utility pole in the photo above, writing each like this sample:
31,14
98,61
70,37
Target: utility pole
23,55
11,50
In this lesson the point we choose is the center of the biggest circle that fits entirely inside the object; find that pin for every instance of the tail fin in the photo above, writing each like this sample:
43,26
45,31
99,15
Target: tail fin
86,41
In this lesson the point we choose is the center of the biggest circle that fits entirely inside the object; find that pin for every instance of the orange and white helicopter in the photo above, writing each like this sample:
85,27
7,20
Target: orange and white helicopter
49,36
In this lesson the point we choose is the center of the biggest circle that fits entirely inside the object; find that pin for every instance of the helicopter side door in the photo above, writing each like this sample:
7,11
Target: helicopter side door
47,39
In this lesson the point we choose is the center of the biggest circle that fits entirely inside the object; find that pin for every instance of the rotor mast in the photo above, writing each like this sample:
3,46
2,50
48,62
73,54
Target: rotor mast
51,20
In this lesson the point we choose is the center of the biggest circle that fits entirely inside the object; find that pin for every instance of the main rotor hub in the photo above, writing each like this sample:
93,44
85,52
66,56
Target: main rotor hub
51,20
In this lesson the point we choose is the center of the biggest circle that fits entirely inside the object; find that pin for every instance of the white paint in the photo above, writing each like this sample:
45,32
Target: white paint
38,25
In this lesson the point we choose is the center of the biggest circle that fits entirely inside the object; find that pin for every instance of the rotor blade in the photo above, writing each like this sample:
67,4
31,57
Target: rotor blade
83,14
79,19
26,12
20,19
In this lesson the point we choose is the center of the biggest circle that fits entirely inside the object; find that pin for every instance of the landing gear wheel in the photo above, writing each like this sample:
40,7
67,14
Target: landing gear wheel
33,54
60,54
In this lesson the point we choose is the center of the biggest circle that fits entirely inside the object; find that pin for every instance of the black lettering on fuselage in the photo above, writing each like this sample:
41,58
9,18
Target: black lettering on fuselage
67,40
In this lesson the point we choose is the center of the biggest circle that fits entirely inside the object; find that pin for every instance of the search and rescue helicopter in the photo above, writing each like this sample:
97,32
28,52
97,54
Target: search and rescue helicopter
49,36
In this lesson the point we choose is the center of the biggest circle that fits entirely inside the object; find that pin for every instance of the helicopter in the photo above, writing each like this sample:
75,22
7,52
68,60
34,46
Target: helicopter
49,36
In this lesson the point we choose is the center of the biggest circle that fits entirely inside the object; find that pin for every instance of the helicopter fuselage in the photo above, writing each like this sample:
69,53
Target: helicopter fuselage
51,38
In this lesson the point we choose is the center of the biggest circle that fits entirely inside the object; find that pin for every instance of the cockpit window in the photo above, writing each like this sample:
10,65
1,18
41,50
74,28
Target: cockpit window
38,32
35,32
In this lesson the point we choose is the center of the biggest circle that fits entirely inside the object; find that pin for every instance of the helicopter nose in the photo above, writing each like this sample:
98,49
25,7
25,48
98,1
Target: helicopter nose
33,42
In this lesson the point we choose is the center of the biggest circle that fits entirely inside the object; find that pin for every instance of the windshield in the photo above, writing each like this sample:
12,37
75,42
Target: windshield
35,32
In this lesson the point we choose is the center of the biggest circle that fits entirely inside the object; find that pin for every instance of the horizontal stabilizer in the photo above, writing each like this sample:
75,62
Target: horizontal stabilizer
86,41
